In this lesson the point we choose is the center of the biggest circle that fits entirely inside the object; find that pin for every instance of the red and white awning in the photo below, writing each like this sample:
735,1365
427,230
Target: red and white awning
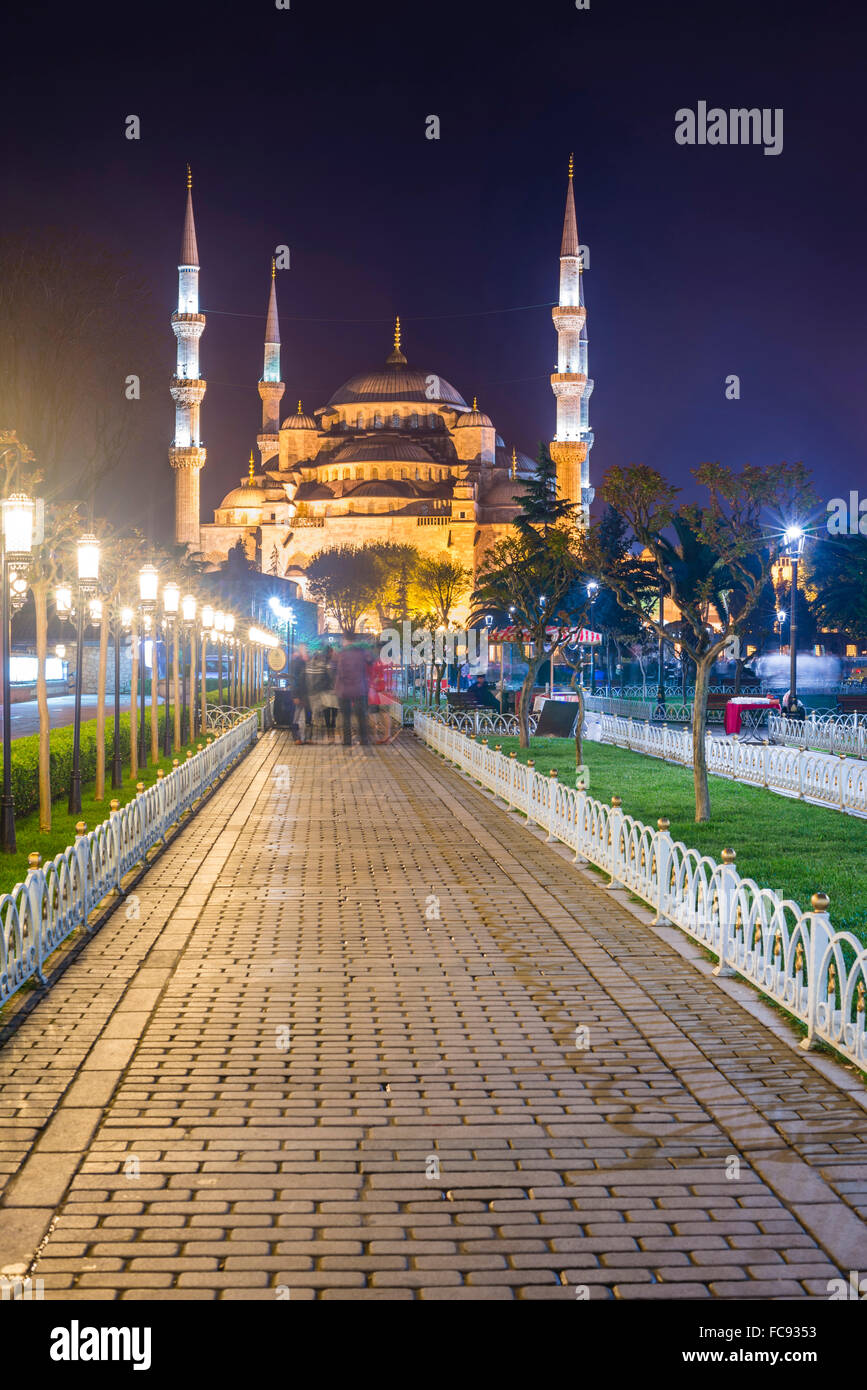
559,636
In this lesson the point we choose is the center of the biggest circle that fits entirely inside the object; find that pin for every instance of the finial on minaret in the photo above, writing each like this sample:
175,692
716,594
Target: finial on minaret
189,177
273,268
396,357
250,482
514,470
300,411
571,164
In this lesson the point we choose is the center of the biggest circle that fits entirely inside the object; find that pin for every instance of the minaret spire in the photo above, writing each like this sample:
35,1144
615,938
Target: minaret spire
187,454
271,388
573,439
395,357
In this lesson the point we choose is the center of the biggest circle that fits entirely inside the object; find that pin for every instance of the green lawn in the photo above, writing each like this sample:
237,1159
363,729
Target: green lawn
782,844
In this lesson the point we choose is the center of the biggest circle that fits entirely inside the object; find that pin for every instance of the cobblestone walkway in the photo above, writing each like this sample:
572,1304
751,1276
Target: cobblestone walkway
331,1053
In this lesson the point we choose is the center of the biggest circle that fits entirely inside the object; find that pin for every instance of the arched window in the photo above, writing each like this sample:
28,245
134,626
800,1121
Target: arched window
417,475
413,420
359,424
432,420
395,421
377,422
389,473
359,472
374,472
430,474
404,473
345,474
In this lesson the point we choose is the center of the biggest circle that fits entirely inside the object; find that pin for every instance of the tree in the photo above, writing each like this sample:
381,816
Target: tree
397,565
714,550
530,573
438,585
346,579
540,507
837,576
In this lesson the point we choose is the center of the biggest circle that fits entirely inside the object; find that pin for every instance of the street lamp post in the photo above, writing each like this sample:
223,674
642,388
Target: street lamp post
660,690
148,583
207,627
593,590
171,600
17,544
123,618
219,629
794,548
88,577
188,613
229,624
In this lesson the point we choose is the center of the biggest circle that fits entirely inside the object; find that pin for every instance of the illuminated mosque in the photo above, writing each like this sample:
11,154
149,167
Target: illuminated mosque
396,453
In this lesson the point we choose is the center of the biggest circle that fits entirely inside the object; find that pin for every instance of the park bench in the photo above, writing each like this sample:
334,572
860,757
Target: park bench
852,704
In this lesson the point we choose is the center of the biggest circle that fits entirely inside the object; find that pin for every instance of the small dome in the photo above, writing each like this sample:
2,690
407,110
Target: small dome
299,421
383,488
244,496
475,417
383,448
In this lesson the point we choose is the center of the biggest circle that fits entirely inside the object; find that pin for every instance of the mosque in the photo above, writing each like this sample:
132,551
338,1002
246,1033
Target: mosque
396,453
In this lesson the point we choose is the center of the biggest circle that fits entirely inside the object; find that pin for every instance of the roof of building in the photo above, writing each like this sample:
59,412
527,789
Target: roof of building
397,382
244,496
383,487
299,421
382,448
475,417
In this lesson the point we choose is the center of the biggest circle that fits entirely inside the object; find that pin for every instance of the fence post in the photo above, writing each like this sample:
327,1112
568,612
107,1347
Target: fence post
81,856
552,807
36,894
820,935
842,772
662,847
615,825
728,882
801,752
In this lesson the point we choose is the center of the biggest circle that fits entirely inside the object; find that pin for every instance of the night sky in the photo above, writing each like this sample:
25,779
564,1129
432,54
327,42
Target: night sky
306,127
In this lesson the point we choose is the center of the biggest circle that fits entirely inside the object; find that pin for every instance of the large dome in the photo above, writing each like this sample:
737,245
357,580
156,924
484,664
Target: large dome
389,448
394,382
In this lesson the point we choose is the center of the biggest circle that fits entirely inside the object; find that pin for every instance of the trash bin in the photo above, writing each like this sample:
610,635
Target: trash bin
283,709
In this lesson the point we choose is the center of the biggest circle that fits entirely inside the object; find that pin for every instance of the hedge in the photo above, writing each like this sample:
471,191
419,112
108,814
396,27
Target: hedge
25,759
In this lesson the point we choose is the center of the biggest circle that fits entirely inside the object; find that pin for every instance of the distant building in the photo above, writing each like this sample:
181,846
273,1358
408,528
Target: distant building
396,453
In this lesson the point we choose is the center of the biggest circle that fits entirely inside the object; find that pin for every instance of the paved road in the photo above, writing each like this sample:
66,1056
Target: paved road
332,1051
25,716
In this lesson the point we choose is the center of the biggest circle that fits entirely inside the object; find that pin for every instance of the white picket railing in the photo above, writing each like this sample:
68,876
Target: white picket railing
820,778
837,733
795,958
53,900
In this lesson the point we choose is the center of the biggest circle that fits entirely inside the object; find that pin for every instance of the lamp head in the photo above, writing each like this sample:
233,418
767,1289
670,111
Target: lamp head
148,583
171,597
188,608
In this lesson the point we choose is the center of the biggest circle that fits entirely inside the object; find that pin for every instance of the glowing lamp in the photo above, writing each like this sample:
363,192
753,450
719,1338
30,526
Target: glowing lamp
18,513
207,617
63,600
188,608
88,560
148,583
171,597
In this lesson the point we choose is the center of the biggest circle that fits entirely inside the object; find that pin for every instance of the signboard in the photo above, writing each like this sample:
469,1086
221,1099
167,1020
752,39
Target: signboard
557,719
276,659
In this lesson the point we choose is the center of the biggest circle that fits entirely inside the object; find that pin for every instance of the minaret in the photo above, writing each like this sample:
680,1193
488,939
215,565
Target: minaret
271,388
570,447
186,455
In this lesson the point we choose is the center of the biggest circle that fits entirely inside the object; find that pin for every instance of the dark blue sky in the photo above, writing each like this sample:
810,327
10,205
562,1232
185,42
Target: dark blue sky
307,127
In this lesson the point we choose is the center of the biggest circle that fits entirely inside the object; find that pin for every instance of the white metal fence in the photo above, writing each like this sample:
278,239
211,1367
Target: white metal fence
837,733
795,958
52,901
820,778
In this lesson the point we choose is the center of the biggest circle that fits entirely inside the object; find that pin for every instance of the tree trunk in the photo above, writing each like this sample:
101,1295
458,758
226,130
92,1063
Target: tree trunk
525,695
99,784
133,705
579,730
40,597
699,758
155,708
739,670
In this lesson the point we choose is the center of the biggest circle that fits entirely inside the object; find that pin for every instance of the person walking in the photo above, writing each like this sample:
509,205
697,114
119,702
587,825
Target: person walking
350,686
320,679
300,693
